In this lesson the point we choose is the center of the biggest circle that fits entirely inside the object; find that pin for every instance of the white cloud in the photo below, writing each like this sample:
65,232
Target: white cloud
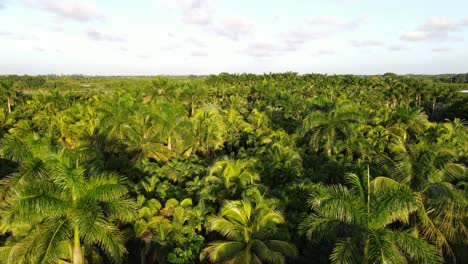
201,13
441,49
172,46
295,38
16,36
3,4
196,42
198,53
416,36
98,36
57,29
464,21
438,23
436,28
397,47
346,1
143,56
234,28
198,12
324,52
366,43
318,28
336,23
67,9
26,37
263,50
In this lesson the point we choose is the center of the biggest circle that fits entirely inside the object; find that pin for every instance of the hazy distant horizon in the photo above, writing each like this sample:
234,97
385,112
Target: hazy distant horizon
202,75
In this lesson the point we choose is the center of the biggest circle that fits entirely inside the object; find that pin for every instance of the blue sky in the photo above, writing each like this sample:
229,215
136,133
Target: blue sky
147,37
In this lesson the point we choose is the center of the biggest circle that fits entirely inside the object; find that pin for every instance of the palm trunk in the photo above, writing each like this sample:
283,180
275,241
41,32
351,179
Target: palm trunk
192,108
329,152
169,144
365,257
329,144
77,253
9,104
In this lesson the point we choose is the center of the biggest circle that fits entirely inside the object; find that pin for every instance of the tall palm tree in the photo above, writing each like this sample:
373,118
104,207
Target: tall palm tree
361,217
172,125
7,91
329,123
67,204
250,227
195,94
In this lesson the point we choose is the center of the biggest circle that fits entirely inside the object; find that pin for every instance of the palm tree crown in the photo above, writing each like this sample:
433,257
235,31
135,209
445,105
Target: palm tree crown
361,216
64,202
250,227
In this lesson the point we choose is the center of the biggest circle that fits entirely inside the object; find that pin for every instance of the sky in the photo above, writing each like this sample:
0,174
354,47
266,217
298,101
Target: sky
180,37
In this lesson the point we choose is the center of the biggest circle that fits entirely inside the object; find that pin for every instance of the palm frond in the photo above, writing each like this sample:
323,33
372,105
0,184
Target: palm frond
382,248
220,251
417,249
345,252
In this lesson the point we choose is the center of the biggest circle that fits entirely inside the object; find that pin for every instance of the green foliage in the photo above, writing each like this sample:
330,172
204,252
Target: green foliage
60,195
250,225
171,169
359,218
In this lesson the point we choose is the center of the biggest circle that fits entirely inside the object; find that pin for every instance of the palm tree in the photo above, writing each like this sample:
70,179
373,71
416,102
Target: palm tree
407,121
142,139
250,227
172,124
260,122
7,90
368,220
233,175
237,127
66,203
280,164
432,170
393,89
195,94
331,122
114,114
209,130
164,230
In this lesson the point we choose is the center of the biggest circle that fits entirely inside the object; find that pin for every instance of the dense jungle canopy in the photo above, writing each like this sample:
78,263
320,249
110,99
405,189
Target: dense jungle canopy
233,168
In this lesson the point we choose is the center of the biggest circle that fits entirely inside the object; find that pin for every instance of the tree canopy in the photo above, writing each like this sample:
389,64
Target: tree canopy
233,168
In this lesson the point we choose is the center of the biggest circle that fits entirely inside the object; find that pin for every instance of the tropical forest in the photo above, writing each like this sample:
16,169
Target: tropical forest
233,168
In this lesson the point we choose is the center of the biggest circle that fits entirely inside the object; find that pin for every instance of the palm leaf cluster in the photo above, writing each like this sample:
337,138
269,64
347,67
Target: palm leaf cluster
250,228
368,221
61,201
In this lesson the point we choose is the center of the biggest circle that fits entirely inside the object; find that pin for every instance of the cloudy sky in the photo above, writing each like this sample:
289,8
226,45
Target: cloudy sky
122,37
